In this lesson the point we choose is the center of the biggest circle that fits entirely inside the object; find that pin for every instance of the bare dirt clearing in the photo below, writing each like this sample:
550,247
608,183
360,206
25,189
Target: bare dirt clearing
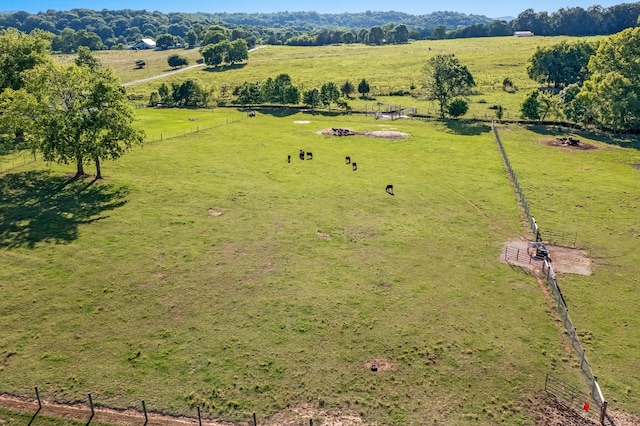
382,364
581,146
321,234
381,134
565,260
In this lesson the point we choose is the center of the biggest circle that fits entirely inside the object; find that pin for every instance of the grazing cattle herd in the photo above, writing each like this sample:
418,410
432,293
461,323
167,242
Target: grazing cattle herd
347,160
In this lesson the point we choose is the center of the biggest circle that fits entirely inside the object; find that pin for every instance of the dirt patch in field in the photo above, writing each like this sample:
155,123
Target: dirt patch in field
564,260
553,412
636,166
301,415
382,364
302,122
321,234
214,212
380,134
550,411
620,418
581,146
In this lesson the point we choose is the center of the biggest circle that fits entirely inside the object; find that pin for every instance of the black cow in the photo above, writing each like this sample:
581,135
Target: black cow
302,154
288,158
309,155
389,189
347,160
354,166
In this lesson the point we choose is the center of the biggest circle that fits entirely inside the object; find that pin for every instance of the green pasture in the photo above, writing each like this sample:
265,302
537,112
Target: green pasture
592,194
164,123
197,273
123,62
387,69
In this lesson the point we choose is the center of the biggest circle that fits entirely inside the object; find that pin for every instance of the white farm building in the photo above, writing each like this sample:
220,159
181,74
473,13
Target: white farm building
145,43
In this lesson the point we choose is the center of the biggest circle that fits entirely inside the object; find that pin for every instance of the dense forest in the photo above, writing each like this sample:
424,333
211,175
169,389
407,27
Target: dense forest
115,29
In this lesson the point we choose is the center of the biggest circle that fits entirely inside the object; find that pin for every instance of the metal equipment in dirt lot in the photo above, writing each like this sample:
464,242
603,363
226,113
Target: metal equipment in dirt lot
539,249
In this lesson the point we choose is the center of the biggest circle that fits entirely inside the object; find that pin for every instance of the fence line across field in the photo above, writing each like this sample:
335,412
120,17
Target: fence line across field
22,158
191,130
144,414
563,310
26,157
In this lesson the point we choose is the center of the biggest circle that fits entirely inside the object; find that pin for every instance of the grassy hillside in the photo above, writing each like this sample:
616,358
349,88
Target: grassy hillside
386,68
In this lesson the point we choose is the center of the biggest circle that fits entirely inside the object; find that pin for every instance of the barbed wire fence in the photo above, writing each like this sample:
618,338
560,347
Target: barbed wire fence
94,410
563,310
20,159
192,130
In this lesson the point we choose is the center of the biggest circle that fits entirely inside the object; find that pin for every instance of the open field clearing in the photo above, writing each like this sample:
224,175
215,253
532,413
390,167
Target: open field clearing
208,270
123,62
386,68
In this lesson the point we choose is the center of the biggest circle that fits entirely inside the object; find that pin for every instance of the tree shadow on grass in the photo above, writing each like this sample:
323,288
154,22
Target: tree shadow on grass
324,113
467,128
621,140
278,112
225,67
37,207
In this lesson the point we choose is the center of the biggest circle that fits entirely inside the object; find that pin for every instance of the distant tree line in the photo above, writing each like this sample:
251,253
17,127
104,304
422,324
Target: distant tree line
576,21
114,29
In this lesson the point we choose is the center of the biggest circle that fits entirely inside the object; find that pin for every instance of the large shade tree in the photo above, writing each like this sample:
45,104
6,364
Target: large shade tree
561,64
238,51
329,94
445,79
610,98
78,115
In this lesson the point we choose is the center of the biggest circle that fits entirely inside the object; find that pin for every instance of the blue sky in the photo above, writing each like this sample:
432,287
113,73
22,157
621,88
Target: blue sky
493,9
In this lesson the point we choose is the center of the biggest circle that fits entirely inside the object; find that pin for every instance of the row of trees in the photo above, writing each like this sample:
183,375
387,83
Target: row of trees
70,113
282,91
189,93
604,94
576,21
115,29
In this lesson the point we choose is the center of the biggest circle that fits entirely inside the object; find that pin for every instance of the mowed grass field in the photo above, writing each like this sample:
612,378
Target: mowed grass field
386,69
134,288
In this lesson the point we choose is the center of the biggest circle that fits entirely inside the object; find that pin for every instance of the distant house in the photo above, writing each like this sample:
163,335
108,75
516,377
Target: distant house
145,43
523,34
